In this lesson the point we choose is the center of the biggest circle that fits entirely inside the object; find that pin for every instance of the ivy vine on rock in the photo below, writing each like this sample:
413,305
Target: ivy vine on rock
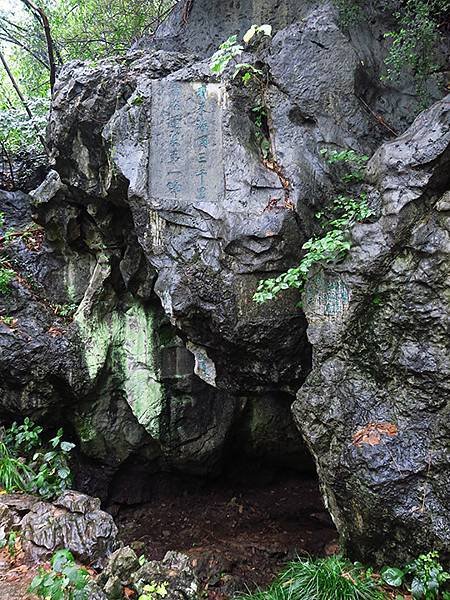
333,243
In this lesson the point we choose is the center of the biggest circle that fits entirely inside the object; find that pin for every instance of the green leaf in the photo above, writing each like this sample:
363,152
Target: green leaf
67,446
392,576
417,588
61,559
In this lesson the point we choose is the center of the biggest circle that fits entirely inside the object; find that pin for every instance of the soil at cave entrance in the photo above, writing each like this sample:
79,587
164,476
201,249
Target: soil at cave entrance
236,536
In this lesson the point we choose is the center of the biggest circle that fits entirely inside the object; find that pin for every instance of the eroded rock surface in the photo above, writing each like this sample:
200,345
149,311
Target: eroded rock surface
374,410
73,521
161,218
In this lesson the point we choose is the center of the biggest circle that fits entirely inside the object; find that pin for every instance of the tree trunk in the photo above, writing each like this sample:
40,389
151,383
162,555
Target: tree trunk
19,93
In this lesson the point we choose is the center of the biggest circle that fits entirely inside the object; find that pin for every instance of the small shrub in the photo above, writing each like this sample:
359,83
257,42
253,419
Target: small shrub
333,244
20,133
9,321
23,438
65,310
231,49
355,162
154,591
8,540
52,473
227,51
65,580
424,577
415,43
350,12
26,464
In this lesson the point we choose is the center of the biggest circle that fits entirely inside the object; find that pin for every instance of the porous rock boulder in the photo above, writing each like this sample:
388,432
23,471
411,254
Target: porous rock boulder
73,521
173,573
212,220
375,409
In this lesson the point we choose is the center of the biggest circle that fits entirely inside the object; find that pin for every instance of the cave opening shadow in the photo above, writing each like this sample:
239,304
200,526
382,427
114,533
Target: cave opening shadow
244,523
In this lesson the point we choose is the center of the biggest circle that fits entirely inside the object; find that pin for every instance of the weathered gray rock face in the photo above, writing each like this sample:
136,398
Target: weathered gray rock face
374,410
119,375
36,361
177,149
163,218
73,521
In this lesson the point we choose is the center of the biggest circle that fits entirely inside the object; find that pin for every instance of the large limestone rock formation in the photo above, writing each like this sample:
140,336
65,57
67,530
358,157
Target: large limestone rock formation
161,217
375,409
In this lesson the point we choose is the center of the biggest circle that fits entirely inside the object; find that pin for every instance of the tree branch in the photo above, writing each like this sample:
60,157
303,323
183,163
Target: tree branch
40,15
19,93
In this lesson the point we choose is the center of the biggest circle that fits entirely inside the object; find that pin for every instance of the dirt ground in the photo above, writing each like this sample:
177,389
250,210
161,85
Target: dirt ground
236,538
14,578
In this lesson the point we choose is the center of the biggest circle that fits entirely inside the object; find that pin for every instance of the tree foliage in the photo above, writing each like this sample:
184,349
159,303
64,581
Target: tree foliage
38,36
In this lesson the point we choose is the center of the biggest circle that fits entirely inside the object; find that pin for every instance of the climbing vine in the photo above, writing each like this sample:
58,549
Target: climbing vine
333,243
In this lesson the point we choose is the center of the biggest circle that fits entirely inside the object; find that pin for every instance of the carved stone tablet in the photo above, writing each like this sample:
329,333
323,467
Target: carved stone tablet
185,166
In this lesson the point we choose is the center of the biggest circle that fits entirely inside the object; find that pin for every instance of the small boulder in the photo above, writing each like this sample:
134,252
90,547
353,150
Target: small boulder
118,572
173,572
75,522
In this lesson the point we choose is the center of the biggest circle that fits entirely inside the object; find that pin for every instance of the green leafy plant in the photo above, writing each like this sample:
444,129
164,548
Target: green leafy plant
8,320
6,276
51,468
424,577
415,43
65,580
19,132
356,162
331,578
350,12
154,590
8,540
227,51
65,310
231,49
23,438
27,465
259,113
248,74
333,243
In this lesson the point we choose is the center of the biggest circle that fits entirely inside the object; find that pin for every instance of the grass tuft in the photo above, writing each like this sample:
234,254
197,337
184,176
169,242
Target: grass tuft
331,578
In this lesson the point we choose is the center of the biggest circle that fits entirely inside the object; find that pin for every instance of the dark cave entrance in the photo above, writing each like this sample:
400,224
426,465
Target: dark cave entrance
238,534
241,525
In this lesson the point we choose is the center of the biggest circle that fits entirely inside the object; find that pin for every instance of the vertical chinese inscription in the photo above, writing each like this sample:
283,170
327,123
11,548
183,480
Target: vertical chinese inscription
201,143
174,125
185,166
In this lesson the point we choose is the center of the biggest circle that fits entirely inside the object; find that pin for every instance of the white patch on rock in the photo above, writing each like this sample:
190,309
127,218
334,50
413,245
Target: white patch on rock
204,367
